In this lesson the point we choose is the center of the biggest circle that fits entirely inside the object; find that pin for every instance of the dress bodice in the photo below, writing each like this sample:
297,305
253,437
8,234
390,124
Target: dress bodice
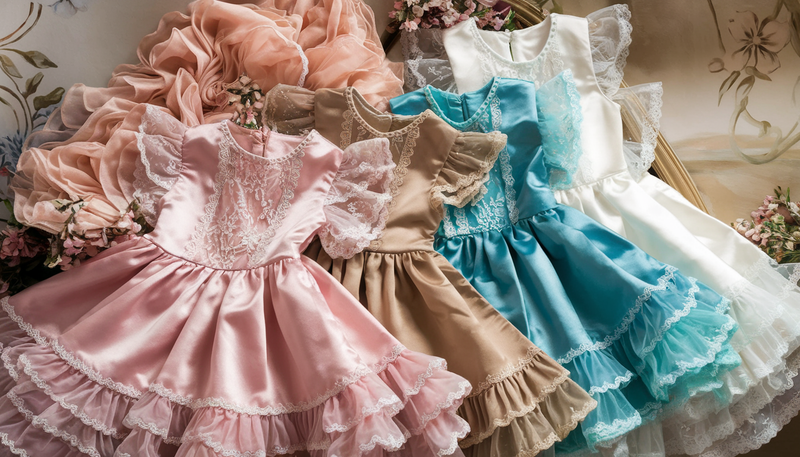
520,183
231,198
538,54
436,163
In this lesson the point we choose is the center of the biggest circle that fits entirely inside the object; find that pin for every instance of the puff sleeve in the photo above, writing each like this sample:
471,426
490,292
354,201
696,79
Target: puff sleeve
288,109
159,142
357,204
466,169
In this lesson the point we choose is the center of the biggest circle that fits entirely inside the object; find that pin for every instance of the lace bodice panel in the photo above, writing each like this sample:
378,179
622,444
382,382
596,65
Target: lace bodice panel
245,198
538,54
436,164
520,183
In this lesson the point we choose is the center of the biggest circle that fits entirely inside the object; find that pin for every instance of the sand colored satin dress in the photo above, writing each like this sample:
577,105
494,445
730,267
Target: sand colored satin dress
522,401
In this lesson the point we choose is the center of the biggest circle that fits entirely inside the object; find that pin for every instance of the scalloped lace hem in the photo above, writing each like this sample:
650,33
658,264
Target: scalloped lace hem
507,372
513,415
10,446
663,283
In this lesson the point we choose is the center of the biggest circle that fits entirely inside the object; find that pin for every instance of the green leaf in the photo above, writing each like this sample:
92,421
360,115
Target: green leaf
5,102
32,84
35,58
744,87
9,67
727,84
43,101
753,71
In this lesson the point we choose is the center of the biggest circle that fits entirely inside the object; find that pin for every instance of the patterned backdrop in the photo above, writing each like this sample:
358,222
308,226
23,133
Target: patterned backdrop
730,68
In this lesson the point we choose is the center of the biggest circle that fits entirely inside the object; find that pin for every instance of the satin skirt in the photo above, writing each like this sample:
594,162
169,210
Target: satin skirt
637,334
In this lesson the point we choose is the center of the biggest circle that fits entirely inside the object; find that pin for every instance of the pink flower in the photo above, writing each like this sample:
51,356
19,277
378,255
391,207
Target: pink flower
759,42
409,25
398,6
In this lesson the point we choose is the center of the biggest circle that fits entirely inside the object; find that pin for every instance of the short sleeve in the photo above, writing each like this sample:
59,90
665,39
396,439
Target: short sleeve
357,204
559,111
641,110
462,177
288,109
610,40
425,60
159,142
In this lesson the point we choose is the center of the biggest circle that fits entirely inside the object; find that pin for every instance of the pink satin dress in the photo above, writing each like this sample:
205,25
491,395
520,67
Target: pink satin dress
212,335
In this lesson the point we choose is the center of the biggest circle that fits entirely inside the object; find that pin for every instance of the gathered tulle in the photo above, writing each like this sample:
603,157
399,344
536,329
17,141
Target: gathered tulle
183,67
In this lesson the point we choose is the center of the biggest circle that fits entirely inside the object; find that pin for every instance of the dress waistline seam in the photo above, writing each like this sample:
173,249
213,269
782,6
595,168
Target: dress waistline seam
172,254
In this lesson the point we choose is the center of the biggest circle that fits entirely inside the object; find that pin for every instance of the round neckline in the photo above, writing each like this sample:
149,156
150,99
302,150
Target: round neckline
485,104
352,95
226,132
550,20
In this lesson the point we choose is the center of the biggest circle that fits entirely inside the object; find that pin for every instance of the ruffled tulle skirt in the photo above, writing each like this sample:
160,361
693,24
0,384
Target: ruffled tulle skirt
636,334
138,352
764,303
522,400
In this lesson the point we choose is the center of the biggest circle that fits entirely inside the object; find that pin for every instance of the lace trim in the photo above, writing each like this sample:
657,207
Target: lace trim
245,174
463,389
539,70
366,411
619,382
8,364
42,423
741,442
513,415
217,447
715,346
80,415
152,428
454,437
663,283
603,432
340,385
468,186
10,445
389,444
402,140
67,356
560,119
688,306
144,176
302,80
509,371
611,78
640,163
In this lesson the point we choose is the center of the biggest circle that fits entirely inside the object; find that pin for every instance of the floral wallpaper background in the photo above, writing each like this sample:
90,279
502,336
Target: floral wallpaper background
731,75
730,69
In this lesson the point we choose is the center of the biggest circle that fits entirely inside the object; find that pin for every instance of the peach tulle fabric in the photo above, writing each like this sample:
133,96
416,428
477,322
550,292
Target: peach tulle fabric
183,66
522,400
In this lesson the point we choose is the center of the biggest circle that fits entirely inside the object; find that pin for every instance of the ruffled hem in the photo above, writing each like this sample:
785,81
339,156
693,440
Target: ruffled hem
544,415
409,401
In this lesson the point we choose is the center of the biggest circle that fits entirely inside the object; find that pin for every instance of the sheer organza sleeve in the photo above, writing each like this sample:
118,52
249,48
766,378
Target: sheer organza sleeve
357,204
159,141
466,169
610,40
559,111
425,61
289,109
641,110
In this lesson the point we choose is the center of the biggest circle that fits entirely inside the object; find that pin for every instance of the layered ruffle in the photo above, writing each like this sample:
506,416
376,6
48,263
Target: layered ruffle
518,408
378,413
671,344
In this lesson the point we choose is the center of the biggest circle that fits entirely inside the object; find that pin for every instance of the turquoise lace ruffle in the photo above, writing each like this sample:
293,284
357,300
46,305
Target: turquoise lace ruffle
559,109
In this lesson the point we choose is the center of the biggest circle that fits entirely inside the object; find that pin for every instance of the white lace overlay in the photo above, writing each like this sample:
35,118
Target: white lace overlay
402,141
426,61
356,206
159,143
250,200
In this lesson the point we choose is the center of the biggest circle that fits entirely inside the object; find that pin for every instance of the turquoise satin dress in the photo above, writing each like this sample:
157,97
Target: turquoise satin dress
635,333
